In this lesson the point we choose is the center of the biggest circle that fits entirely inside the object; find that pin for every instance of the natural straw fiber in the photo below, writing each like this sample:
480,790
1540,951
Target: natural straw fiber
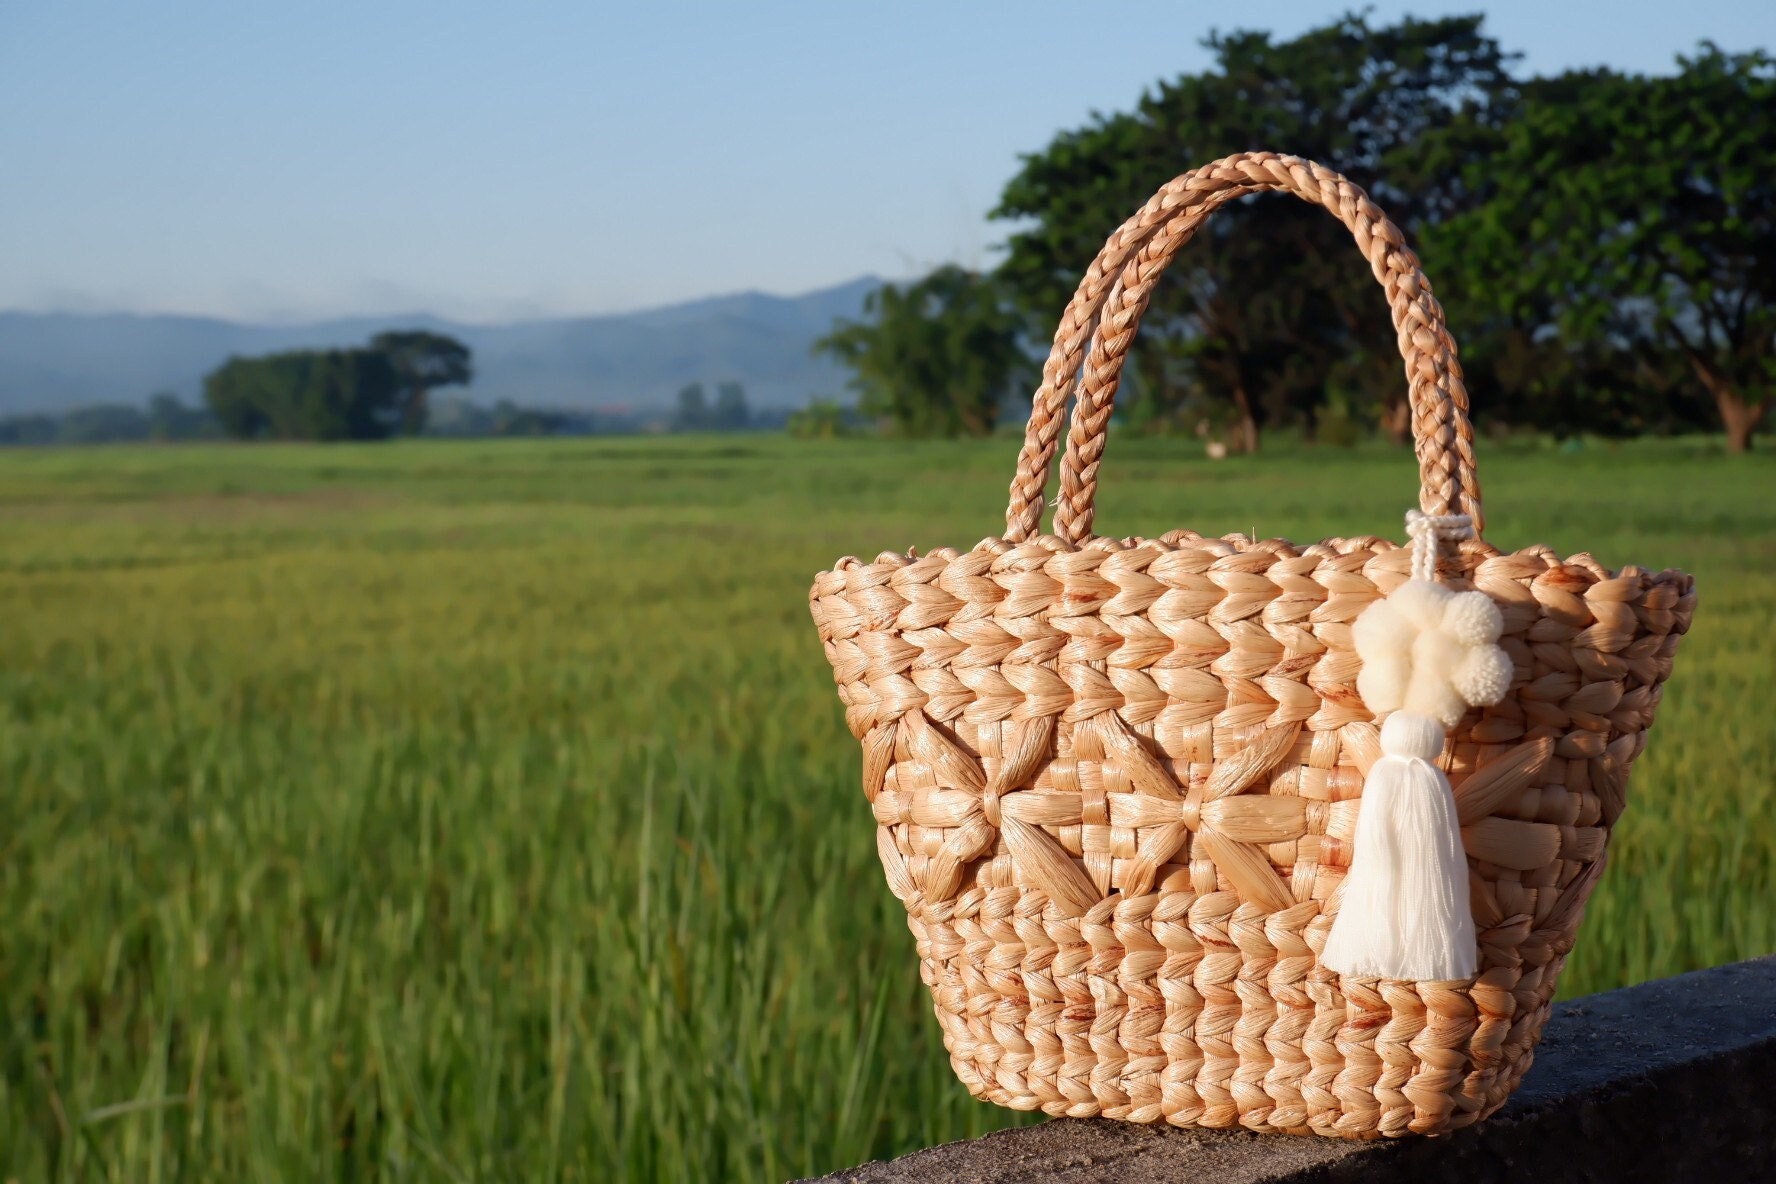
1116,780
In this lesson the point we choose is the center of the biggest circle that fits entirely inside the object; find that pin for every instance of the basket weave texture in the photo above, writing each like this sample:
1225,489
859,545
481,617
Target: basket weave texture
1116,781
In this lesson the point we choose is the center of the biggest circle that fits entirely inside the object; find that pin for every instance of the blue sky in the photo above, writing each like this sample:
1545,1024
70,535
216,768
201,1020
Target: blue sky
497,160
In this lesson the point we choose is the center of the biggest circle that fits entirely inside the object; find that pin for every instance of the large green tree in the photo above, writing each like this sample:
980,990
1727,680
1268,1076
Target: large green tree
692,411
1631,216
422,362
245,394
936,357
337,394
1274,302
731,413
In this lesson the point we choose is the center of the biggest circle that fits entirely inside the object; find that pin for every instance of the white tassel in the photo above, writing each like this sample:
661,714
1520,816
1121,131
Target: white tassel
1428,653
1405,913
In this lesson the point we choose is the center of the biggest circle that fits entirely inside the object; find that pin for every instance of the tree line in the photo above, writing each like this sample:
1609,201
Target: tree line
1604,244
694,412
383,389
166,418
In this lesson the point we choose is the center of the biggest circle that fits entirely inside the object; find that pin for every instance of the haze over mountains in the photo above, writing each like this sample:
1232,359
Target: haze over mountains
639,360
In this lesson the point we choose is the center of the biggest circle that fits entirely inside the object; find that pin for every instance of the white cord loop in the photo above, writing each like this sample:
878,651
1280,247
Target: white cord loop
1428,532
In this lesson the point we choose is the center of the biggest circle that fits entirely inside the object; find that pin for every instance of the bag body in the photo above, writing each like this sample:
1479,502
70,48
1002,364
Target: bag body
1116,781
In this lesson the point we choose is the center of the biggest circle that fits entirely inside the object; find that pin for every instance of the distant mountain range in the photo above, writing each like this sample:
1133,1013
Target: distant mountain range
639,360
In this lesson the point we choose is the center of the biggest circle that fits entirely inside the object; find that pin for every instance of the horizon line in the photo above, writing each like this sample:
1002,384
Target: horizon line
305,320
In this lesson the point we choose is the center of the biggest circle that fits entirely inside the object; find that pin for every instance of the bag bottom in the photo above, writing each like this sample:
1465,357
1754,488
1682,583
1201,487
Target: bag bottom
1218,1019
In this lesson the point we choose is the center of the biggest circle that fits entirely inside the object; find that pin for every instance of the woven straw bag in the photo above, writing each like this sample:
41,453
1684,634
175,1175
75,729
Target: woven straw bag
1116,780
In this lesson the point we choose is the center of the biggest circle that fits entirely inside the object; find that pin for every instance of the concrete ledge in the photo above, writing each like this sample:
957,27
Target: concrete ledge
1672,1080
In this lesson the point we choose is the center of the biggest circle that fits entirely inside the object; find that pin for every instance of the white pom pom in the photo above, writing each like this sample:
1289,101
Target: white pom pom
1421,602
1382,681
1436,654
1429,650
1429,691
1472,618
1382,628
1483,676
1383,639
1435,696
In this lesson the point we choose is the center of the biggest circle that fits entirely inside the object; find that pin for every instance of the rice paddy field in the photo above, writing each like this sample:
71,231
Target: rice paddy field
483,810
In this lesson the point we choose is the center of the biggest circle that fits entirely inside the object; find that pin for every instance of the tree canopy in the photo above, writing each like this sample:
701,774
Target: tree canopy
1663,252
730,413
935,357
1605,244
367,393
1272,304
423,361
695,413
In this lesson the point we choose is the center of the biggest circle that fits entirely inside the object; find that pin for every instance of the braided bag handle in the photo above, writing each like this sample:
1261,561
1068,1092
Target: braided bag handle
1115,291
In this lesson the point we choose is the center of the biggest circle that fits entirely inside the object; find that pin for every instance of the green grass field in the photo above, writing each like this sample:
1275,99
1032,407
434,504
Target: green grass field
462,811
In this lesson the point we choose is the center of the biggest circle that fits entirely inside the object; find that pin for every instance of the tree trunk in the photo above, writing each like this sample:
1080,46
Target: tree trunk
1396,422
1739,417
1247,436
977,422
413,416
